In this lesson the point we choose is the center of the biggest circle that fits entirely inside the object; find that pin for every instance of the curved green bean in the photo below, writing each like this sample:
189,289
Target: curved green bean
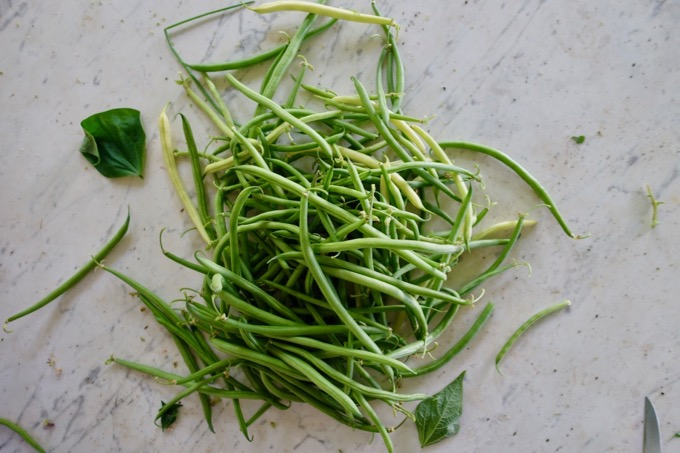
23,433
526,325
77,277
522,173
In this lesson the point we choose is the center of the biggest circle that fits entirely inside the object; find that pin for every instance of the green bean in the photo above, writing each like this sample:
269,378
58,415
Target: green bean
369,356
23,433
376,420
210,157
361,110
146,369
402,166
322,10
221,106
526,325
178,259
294,172
317,378
395,70
303,296
319,401
77,277
469,217
329,370
209,111
390,191
401,244
273,78
406,286
257,357
249,286
290,102
256,59
218,366
494,267
275,390
166,32
147,296
281,113
251,310
233,325
202,201
522,173
172,378
308,146
235,256
191,363
319,92
173,172
414,310
459,345
382,98
501,227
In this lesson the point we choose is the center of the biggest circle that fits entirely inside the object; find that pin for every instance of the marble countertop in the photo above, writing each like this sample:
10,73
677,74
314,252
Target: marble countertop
522,76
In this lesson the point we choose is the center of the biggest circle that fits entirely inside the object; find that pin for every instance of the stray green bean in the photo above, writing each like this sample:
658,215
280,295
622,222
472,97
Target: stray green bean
526,325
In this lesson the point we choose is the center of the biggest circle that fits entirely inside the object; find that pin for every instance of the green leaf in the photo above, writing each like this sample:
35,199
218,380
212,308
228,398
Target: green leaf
579,139
677,434
170,415
438,417
115,142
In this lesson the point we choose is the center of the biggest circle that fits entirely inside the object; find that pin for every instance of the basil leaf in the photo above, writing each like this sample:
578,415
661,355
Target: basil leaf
169,416
115,142
438,417
579,139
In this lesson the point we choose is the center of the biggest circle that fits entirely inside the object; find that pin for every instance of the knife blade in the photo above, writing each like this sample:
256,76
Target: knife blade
651,442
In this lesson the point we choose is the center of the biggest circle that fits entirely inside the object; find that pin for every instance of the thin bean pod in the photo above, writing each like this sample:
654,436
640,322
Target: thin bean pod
526,325
522,173
322,10
281,113
173,172
23,433
96,259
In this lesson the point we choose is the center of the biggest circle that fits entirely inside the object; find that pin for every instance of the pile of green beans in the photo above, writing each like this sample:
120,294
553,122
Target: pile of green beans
330,230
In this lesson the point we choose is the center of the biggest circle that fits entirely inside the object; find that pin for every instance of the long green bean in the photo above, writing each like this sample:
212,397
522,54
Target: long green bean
75,278
522,173
323,10
23,433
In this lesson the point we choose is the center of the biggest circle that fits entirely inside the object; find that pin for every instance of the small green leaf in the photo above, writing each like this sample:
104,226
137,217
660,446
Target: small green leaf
115,142
438,417
170,415
579,139
677,434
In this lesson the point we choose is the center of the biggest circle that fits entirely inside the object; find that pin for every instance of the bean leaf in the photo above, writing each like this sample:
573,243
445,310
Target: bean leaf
579,139
115,142
438,417
170,415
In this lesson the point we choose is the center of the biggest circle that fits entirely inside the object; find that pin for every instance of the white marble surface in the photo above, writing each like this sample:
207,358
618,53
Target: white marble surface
520,76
